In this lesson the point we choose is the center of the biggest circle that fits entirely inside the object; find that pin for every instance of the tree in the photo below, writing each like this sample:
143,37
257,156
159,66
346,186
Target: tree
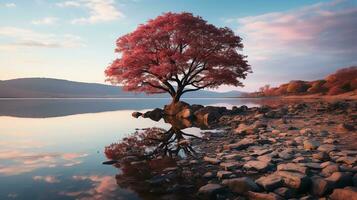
178,53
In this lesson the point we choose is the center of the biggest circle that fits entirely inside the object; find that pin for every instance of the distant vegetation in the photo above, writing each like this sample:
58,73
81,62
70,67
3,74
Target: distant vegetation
340,82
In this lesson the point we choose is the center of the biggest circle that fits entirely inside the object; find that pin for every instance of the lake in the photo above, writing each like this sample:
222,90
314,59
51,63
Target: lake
53,148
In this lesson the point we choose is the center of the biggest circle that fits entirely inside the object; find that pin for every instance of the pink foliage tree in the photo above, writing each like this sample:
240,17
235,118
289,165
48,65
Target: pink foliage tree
178,53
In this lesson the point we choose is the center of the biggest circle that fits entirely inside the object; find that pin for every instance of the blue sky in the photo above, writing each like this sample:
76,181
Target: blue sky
74,39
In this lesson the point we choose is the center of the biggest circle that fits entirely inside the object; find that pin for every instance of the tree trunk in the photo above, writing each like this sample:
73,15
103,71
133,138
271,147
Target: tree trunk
176,98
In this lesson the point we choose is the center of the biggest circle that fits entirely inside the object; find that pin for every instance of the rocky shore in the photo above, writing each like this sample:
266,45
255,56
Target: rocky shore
296,151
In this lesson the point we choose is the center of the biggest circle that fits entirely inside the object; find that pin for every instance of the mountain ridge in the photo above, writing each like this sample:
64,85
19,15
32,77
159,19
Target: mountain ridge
59,88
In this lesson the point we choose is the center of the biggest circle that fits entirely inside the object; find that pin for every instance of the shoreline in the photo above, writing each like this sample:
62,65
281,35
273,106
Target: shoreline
303,150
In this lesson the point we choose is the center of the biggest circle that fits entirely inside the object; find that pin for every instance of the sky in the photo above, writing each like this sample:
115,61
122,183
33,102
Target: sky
75,39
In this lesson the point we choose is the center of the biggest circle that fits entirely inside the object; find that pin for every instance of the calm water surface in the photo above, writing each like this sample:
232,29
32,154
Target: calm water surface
53,148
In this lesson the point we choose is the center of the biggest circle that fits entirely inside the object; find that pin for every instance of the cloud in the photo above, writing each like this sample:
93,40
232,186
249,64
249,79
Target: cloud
20,37
23,161
47,179
99,11
68,4
10,5
303,42
102,187
45,21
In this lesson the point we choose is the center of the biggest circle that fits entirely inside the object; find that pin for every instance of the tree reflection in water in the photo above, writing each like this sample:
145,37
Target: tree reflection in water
148,161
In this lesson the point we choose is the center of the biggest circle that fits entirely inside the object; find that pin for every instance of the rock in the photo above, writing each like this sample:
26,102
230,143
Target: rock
242,144
208,175
293,167
256,165
327,148
340,179
330,141
323,156
214,161
136,114
185,114
210,190
241,185
286,154
155,114
348,193
311,144
345,127
319,186
174,108
285,192
229,165
209,114
260,152
294,179
110,162
244,129
330,169
270,182
354,180
224,174
312,165
263,196
306,131
265,158
327,163
323,133
233,156
349,160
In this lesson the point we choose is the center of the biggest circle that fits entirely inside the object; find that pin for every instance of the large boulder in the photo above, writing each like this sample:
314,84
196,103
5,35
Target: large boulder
209,114
174,108
319,186
257,165
155,114
340,179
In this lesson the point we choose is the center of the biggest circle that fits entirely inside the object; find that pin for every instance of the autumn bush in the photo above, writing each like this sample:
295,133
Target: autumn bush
342,81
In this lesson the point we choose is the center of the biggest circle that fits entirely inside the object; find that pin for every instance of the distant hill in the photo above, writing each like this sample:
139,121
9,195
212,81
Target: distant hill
343,81
58,88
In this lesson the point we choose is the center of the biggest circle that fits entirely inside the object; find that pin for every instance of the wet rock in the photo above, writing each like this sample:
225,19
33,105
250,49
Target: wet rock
155,114
285,192
241,185
292,167
270,182
327,148
263,196
136,114
224,174
185,113
340,179
348,193
110,162
210,190
173,109
257,165
294,179
311,144
214,161
319,186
